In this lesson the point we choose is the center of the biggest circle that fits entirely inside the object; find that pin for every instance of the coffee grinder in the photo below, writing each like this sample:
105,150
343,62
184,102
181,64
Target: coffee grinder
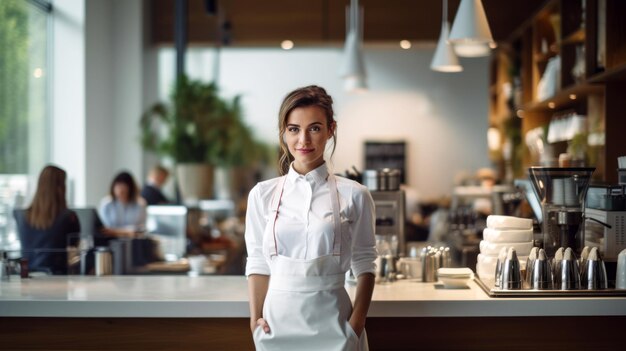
562,192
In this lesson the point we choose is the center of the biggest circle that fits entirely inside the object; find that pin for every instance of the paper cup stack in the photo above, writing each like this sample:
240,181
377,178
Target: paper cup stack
501,232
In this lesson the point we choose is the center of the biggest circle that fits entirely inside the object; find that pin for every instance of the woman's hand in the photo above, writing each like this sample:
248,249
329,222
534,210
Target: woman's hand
260,323
357,326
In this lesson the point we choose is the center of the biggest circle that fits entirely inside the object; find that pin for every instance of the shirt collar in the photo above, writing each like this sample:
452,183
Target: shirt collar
318,175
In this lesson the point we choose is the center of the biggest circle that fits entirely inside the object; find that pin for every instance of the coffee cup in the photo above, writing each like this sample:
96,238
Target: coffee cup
196,265
410,267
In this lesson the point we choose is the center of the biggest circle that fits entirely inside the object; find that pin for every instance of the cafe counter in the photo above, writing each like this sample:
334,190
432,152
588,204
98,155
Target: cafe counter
211,312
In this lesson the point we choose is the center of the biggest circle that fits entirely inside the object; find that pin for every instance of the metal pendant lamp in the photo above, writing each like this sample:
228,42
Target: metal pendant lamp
470,35
445,60
353,68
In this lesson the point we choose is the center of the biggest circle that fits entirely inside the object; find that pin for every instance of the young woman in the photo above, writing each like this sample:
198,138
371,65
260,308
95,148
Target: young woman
123,212
47,227
304,231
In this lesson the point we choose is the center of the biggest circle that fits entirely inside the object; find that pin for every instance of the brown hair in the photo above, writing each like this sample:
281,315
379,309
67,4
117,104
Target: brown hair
311,95
158,169
125,178
49,200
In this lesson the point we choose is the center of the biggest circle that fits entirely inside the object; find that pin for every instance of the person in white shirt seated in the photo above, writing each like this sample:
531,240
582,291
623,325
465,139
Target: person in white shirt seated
123,211
304,231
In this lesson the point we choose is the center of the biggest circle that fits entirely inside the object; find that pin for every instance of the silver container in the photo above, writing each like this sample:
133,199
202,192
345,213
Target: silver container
532,257
620,278
593,277
104,261
499,263
569,277
386,269
540,278
445,259
388,179
511,278
582,261
430,263
370,179
556,264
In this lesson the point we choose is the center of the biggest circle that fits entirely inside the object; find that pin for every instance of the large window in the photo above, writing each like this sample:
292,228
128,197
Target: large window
24,103
23,86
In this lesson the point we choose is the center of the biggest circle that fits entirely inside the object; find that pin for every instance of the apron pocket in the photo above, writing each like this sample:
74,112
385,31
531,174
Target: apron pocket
258,331
351,332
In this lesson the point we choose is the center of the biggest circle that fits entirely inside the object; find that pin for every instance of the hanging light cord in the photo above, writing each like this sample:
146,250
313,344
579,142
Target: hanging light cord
444,13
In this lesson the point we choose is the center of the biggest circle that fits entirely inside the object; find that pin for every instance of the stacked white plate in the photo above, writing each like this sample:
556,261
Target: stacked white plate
454,278
503,231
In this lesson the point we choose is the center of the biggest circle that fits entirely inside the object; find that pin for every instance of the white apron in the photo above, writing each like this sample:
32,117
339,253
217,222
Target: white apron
307,306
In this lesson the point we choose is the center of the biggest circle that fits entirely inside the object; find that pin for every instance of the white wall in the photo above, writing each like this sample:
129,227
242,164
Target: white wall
442,117
68,93
98,92
100,99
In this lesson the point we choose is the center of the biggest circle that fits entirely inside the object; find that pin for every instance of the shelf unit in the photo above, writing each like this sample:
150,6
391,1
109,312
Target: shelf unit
589,37
384,154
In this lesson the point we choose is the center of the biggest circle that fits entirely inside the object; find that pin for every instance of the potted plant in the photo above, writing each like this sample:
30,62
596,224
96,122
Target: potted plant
199,131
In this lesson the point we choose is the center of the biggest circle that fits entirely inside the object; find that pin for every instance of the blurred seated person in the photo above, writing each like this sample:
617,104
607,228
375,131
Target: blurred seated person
123,211
151,191
47,227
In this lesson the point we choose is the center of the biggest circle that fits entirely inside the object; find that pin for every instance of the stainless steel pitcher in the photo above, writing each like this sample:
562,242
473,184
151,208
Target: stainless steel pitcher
104,261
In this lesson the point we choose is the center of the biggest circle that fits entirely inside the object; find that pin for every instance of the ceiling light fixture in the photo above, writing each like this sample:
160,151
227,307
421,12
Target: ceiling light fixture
405,44
470,35
445,59
286,44
353,68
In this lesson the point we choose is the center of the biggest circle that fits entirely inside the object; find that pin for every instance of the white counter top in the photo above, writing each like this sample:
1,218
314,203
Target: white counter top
226,296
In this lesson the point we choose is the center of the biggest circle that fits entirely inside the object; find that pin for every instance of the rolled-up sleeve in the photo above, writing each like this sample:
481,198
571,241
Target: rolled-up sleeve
363,239
255,226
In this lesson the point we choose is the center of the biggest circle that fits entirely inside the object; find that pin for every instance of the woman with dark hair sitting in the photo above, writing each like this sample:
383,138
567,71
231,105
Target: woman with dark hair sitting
47,227
123,211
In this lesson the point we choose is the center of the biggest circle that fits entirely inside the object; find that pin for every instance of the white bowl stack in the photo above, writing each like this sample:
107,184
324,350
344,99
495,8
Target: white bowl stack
503,231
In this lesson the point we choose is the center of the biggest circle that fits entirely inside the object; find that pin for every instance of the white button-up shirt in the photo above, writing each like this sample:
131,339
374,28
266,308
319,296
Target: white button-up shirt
305,227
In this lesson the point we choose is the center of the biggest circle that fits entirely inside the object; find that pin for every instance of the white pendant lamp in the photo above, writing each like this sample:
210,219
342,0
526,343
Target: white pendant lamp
353,68
470,35
445,59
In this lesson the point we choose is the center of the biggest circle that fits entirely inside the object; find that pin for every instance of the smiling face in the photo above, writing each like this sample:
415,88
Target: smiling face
306,135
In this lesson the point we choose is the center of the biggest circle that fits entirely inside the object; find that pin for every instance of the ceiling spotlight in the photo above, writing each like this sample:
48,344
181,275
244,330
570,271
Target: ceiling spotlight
572,96
405,44
286,44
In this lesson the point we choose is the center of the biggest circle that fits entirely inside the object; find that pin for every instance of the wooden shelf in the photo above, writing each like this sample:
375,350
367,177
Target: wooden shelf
544,57
609,75
577,37
562,98
566,26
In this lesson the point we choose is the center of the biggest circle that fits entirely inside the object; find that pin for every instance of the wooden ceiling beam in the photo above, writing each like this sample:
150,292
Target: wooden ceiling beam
314,22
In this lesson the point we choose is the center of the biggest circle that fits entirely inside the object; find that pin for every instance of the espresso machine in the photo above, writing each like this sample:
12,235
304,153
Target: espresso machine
390,215
562,192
